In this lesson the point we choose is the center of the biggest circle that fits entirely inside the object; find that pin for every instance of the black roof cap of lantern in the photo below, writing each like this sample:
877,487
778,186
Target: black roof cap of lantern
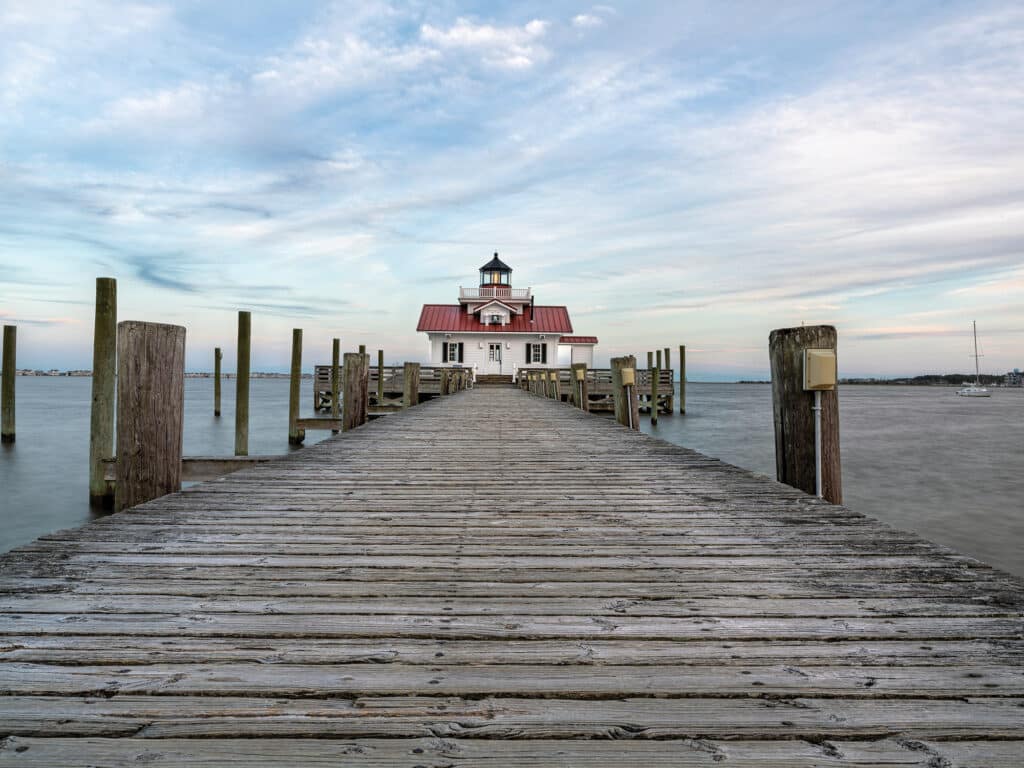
495,265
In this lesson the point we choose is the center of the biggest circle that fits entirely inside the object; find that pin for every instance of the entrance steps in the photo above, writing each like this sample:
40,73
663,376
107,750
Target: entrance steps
493,380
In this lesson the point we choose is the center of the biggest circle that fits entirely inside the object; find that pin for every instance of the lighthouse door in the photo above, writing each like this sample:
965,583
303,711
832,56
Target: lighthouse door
494,358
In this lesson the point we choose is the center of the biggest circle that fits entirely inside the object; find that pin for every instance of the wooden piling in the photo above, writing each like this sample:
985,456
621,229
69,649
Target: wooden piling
242,384
9,374
150,411
356,380
104,378
410,385
682,378
295,435
655,375
380,377
217,357
446,379
556,386
794,415
362,349
335,381
627,407
670,396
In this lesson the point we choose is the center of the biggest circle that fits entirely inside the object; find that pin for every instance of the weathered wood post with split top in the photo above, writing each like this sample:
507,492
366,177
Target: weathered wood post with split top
242,384
150,411
9,373
357,385
104,378
794,407
627,408
410,385
295,435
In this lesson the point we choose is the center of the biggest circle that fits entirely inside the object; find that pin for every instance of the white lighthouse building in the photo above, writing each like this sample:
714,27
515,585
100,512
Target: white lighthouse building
497,330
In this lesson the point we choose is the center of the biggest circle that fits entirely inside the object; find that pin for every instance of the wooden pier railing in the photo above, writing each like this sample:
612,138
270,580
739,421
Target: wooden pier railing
500,579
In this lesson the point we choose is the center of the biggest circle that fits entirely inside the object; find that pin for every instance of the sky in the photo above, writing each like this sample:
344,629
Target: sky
690,173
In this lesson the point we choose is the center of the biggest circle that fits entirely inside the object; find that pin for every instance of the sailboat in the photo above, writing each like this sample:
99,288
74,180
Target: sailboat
975,389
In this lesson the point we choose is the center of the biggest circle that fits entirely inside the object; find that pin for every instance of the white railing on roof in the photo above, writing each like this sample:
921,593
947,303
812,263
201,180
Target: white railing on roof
494,292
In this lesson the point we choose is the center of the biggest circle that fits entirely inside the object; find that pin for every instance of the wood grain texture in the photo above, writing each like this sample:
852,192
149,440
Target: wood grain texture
794,415
582,595
150,411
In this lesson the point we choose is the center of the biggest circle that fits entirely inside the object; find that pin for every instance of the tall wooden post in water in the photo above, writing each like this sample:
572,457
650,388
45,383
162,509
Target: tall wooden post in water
380,377
655,375
150,411
9,373
295,435
335,381
104,377
217,357
670,403
627,407
794,413
242,384
682,378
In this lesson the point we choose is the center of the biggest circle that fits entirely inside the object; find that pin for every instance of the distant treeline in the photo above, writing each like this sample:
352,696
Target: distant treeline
932,380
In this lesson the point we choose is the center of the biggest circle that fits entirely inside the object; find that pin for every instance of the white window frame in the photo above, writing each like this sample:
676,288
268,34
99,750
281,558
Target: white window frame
453,351
536,355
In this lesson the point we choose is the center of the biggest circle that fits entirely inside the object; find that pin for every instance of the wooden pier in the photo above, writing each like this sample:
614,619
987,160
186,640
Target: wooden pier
494,578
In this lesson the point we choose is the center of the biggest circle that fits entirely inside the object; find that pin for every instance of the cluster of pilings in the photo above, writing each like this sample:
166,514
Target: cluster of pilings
146,362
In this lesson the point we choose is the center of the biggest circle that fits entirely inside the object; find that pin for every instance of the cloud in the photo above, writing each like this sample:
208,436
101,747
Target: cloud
513,48
587,21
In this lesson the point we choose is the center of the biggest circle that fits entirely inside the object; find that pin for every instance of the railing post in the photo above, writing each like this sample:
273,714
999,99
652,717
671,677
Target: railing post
242,384
580,386
150,411
794,414
410,385
295,435
217,357
446,375
104,377
9,373
335,381
627,408
556,385
682,378
357,384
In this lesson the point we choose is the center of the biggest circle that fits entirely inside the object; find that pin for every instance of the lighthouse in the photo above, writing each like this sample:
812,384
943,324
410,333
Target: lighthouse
497,329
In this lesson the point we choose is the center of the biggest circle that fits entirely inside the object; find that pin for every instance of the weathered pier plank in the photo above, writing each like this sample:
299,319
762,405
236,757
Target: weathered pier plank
577,593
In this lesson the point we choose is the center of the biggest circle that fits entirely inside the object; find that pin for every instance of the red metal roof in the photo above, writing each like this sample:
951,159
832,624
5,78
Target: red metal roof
452,318
578,340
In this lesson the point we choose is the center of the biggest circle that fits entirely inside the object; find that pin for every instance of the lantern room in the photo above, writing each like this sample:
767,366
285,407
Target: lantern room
495,273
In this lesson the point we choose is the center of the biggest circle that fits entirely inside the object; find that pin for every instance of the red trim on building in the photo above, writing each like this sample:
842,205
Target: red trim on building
453,318
578,340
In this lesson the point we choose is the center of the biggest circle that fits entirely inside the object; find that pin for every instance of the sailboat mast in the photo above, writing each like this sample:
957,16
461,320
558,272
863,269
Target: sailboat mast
977,371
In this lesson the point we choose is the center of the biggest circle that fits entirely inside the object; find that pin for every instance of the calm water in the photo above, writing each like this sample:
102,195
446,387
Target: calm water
919,458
